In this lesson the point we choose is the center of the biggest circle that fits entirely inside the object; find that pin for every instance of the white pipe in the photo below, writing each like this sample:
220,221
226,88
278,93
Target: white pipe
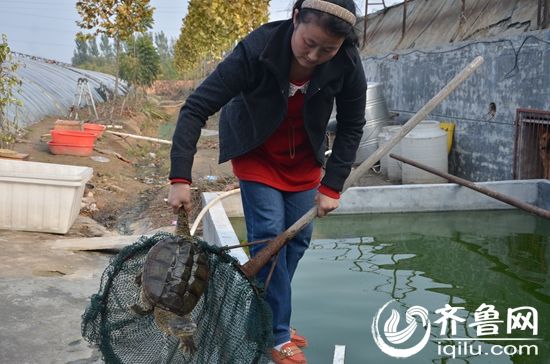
215,200
157,140
339,354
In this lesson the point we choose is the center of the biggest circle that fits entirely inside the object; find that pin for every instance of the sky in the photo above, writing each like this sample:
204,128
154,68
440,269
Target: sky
47,28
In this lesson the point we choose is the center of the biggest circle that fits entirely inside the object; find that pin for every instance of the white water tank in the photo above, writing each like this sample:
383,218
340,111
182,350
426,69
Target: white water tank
392,166
427,144
382,138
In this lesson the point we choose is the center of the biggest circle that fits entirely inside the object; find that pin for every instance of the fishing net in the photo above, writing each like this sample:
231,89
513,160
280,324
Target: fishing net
233,320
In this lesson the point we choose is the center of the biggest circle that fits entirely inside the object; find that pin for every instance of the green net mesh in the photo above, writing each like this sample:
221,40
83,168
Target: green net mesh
233,320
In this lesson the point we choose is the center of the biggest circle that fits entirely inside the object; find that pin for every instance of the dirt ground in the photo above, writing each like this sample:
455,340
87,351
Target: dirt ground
44,291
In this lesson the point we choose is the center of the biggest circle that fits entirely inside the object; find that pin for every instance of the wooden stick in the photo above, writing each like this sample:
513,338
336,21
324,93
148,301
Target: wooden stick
253,266
271,270
486,191
113,153
163,141
252,243
97,243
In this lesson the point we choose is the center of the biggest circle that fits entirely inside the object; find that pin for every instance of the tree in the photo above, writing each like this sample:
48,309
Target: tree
80,54
166,53
161,42
118,19
105,47
212,27
87,55
141,64
92,47
9,86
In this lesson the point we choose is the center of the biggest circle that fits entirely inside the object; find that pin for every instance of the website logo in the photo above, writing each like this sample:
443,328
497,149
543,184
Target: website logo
393,336
403,341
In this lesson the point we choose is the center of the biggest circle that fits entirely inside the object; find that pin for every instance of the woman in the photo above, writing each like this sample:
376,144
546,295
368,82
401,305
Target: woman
277,89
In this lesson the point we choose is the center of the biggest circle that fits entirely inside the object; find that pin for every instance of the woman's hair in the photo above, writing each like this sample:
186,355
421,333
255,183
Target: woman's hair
330,23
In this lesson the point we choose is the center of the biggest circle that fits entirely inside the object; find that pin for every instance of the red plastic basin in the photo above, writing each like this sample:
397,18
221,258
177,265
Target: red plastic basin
68,149
97,129
73,137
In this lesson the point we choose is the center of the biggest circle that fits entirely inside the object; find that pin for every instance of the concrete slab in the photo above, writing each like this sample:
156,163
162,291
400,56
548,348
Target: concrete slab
43,293
41,319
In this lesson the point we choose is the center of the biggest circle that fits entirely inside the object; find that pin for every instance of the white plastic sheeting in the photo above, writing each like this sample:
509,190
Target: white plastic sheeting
49,88
431,23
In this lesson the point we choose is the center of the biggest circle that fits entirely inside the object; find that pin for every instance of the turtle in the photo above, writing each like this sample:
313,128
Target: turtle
173,279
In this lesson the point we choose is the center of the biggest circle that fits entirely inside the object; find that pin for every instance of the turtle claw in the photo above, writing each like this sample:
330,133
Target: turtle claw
142,307
187,345
183,328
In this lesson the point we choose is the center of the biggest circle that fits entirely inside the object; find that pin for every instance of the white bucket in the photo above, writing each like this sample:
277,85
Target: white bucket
392,166
382,138
426,144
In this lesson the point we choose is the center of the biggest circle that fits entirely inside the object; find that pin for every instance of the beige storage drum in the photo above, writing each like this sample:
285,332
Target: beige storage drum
381,139
427,144
392,166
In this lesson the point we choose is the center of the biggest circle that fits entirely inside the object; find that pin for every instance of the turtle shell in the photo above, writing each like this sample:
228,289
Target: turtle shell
175,275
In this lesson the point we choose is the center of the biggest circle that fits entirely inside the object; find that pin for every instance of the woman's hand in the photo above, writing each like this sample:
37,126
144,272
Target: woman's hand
180,196
325,204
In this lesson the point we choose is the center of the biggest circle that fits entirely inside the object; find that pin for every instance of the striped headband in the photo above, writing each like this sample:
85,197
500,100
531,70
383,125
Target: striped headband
330,8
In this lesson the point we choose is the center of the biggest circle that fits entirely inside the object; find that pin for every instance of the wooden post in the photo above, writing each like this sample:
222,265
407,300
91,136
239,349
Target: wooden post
404,19
383,3
546,14
543,14
539,14
365,24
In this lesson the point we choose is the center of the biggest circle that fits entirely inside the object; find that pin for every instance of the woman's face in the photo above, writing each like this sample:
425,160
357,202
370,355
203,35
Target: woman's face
312,45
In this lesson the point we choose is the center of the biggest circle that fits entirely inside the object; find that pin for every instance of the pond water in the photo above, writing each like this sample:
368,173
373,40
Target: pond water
358,263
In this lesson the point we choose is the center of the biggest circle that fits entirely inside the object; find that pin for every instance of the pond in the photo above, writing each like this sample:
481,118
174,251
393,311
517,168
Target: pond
488,260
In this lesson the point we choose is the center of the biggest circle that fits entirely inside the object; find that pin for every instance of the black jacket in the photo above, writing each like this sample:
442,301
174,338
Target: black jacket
252,86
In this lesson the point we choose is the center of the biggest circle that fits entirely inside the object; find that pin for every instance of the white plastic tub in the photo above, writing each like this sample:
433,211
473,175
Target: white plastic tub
41,197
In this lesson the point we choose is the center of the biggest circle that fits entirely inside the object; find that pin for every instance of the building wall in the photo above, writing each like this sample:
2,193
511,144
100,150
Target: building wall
516,74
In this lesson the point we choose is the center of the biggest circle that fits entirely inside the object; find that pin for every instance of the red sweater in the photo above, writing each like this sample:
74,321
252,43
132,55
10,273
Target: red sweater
286,160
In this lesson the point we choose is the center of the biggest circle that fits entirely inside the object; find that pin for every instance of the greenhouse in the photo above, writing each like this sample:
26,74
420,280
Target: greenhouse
53,88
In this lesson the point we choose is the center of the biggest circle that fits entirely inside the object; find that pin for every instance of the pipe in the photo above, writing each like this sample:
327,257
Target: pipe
215,200
486,191
157,140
